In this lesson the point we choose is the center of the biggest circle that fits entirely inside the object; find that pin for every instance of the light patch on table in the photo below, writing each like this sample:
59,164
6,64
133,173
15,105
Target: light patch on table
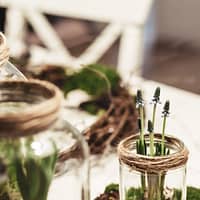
59,190
12,107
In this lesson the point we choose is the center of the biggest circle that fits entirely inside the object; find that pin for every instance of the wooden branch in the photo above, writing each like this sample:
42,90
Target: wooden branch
118,122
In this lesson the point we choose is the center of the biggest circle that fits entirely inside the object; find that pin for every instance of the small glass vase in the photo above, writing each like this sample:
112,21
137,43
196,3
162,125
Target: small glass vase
42,156
152,178
7,69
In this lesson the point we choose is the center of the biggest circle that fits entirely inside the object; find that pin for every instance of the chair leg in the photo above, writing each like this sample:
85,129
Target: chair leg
130,52
15,31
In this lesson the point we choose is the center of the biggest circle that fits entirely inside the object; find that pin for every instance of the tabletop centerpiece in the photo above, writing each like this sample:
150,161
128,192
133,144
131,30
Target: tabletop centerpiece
153,165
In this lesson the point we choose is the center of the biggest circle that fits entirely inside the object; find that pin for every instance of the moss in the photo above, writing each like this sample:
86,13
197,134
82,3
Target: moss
136,193
112,187
193,193
91,79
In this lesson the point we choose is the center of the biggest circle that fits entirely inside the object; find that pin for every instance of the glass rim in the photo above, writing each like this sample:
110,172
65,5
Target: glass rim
153,163
41,113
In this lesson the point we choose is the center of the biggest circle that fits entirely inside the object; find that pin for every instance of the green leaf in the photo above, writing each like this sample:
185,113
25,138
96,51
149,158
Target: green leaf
21,179
32,175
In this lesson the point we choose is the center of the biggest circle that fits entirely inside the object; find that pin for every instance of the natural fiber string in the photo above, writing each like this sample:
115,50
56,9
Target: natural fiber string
44,99
4,50
118,122
155,164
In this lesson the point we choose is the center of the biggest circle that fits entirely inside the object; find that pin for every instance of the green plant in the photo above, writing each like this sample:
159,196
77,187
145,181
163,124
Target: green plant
29,175
154,186
136,193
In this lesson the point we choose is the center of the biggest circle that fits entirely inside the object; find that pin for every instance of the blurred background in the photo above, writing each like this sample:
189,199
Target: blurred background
165,35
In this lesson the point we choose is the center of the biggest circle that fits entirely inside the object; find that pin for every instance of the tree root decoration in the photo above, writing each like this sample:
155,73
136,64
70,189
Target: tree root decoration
117,123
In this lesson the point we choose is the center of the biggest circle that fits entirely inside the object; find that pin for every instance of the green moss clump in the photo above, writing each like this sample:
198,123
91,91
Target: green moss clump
112,187
137,194
92,80
193,193
134,194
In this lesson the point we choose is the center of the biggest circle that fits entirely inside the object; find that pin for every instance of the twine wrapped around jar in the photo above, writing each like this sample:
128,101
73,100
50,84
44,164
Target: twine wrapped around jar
150,164
42,100
4,50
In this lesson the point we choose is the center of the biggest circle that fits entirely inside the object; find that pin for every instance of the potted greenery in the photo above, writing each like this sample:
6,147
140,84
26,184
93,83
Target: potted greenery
153,165
38,146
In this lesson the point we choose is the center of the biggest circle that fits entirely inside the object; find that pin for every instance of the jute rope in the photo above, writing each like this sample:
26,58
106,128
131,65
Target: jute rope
4,50
43,101
150,164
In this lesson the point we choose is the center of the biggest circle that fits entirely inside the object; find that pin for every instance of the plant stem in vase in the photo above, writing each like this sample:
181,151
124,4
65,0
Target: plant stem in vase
146,165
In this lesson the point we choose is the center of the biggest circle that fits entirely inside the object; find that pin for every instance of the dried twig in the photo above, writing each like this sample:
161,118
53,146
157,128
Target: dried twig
117,123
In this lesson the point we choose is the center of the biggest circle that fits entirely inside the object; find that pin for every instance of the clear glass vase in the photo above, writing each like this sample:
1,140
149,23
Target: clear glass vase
7,69
42,156
152,178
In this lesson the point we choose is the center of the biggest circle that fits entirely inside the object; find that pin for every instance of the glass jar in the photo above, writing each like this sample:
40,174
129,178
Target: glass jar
42,156
7,69
152,178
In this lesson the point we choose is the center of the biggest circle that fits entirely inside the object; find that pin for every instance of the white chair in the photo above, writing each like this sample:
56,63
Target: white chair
125,18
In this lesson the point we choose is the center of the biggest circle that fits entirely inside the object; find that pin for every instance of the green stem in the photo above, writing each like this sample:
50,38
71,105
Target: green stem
163,136
142,125
162,177
143,182
154,114
151,134
151,144
143,177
